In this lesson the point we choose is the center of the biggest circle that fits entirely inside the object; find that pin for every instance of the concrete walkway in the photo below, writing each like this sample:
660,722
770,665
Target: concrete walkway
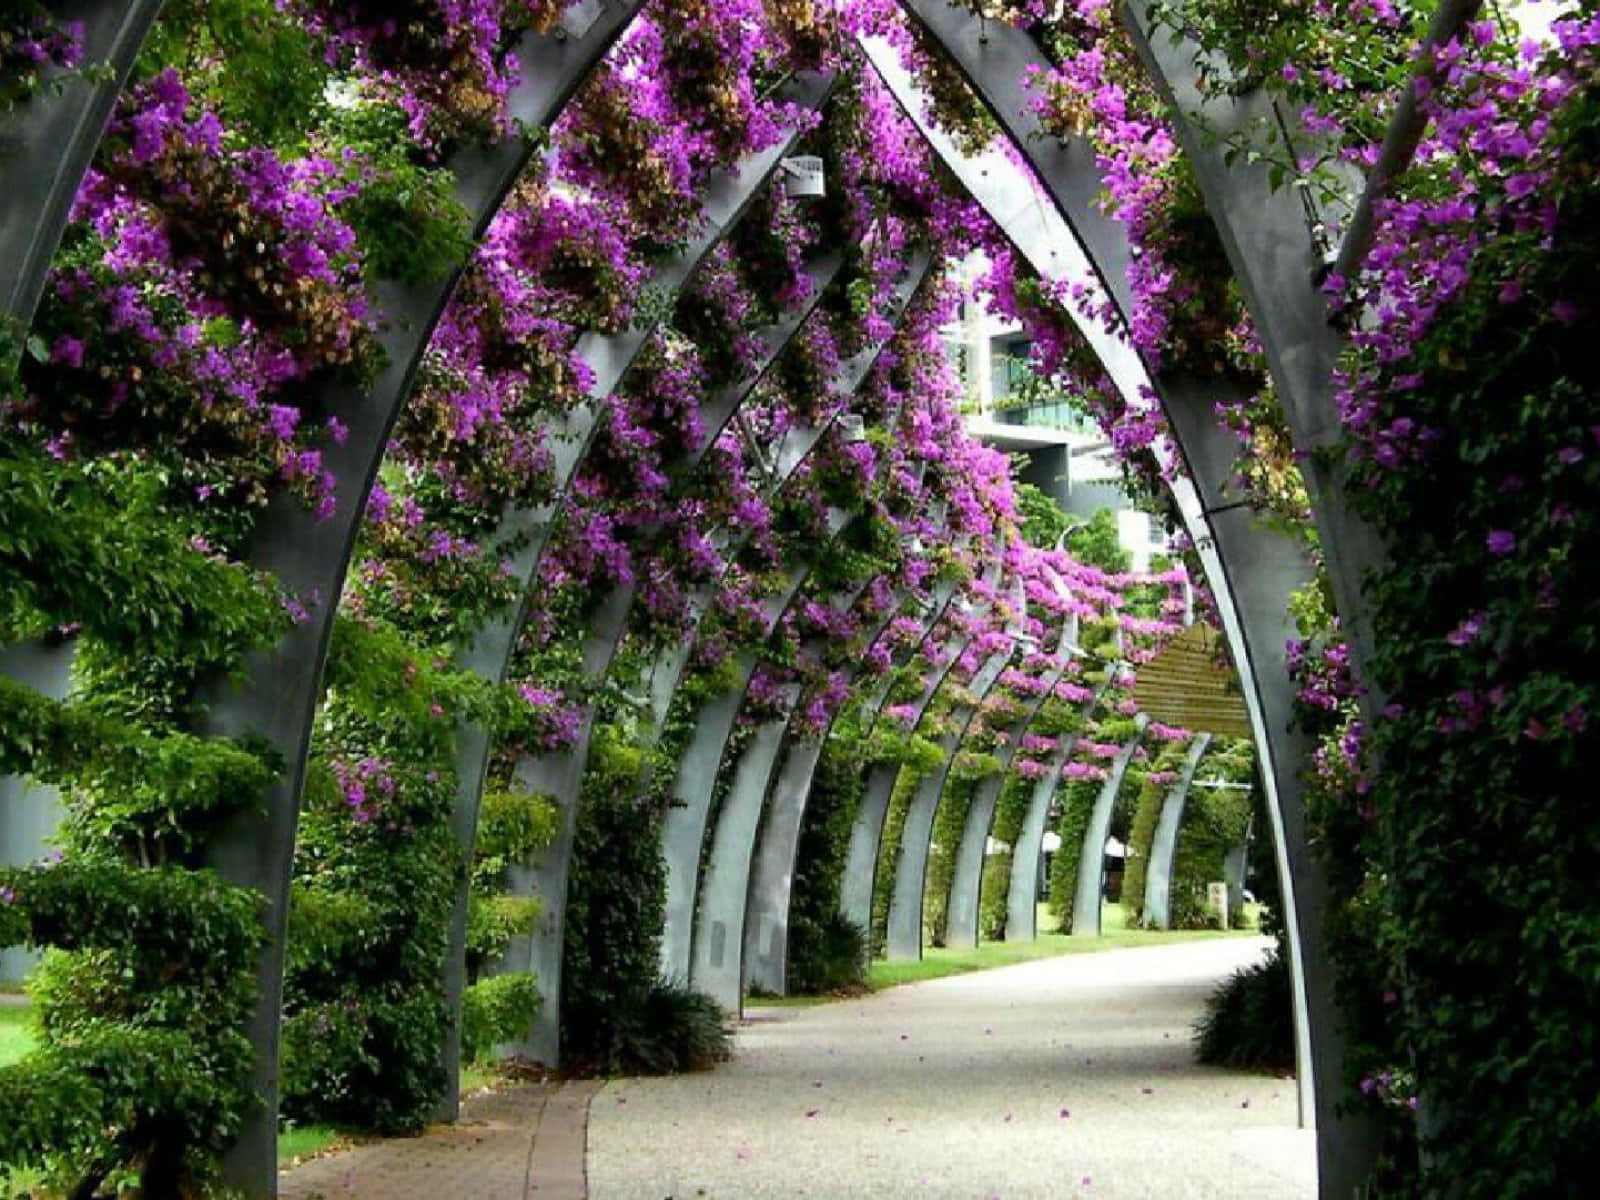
519,1143
1063,1077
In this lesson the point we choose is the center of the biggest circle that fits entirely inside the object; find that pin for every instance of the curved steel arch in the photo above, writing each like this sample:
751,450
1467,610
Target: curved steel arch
1027,856
903,933
860,874
1157,899
276,699
684,831
766,921
966,877
1251,571
47,144
717,965
1092,851
560,775
472,744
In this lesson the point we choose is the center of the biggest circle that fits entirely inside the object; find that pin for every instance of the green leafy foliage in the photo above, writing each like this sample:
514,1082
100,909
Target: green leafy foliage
72,535
1248,1023
142,1060
1467,937
1099,544
1043,520
1215,821
826,953
493,920
1076,798
495,1010
616,907
674,1028
1152,797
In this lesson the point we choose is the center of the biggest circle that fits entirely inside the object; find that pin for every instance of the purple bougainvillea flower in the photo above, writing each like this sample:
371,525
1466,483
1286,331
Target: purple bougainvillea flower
1501,541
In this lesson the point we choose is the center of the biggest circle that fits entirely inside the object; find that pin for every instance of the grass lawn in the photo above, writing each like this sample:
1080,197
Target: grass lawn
939,961
16,1039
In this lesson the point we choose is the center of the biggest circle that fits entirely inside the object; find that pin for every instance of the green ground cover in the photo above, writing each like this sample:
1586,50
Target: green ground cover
16,1039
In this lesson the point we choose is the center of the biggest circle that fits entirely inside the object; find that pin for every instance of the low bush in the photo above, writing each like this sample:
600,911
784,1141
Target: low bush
834,959
497,1010
1249,1019
674,1028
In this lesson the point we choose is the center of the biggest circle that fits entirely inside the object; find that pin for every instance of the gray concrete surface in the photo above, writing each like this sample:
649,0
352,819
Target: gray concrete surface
1063,1077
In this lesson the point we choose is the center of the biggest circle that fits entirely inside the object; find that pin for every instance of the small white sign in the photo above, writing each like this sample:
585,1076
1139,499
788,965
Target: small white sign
804,177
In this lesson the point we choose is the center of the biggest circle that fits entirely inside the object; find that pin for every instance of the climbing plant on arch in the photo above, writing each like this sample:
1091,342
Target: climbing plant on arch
231,333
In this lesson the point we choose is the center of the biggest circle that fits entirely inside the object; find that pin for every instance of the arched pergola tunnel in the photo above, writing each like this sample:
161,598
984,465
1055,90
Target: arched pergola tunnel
272,695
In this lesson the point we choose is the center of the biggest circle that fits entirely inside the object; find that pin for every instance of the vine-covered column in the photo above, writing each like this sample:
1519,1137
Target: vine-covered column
766,921
1251,568
866,832
1092,853
46,143
966,879
694,786
904,929
684,828
1022,892
560,776
1158,874
715,967
309,556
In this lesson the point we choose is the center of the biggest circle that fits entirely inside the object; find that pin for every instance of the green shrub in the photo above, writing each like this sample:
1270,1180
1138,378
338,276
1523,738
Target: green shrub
1077,799
674,1029
995,893
834,960
497,1010
359,1061
616,908
1249,1019
492,921
814,947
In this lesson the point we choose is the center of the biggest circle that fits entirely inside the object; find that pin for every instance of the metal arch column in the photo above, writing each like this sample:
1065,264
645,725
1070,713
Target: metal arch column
866,833
1163,847
766,922
667,674
966,878
904,932
473,744
684,830
561,775
48,143
1022,893
1263,230
30,812
719,924
717,965
1092,854
277,698
995,59
693,787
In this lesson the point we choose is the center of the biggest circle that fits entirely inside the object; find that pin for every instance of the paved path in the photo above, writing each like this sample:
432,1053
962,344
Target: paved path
521,1143
1057,1078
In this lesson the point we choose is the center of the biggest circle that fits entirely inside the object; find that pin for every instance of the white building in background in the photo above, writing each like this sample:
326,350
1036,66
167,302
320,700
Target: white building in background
1068,458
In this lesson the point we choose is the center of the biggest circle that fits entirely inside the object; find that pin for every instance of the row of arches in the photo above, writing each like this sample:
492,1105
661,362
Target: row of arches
726,923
